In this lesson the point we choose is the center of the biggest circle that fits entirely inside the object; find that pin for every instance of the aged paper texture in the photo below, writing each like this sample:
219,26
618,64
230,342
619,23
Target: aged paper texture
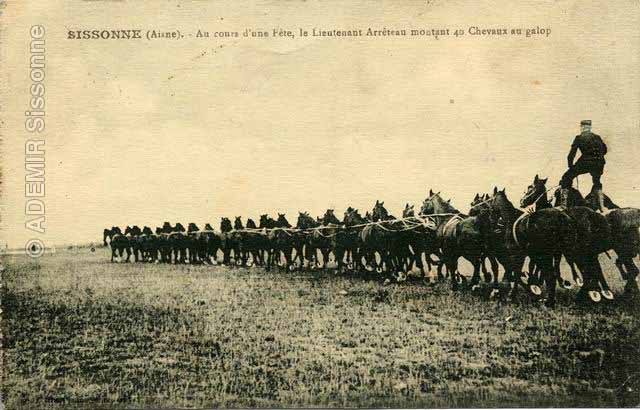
319,203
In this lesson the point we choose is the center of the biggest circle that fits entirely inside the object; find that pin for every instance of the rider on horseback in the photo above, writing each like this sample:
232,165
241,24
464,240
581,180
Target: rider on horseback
591,161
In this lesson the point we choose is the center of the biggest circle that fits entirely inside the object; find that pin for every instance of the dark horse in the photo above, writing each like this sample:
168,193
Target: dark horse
228,242
346,240
544,236
133,235
119,244
624,224
422,240
322,236
593,237
458,236
304,241
281,239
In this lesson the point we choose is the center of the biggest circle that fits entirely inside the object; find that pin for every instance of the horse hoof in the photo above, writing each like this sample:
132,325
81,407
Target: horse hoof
607,294
402,277
535,289
594,296
249,264
579,282
379,269
350,266
368,268
566,284
292,268
459,279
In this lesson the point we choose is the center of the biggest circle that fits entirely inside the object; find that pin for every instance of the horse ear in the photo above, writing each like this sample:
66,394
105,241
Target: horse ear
495,190
504,190
544,181
430,192
536,179
475,197
381,203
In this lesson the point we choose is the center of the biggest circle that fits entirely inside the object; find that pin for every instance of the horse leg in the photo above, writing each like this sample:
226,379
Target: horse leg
485,271
495,268
548,273
452,266
631,290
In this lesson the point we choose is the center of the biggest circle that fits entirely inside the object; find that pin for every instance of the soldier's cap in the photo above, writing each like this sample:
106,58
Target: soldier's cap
585,122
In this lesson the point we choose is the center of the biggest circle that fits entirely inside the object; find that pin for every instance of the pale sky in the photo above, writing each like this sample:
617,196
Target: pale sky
193,130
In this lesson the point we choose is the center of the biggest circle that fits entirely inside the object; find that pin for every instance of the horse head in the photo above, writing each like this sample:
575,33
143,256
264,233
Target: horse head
353,217
330,218
266,222
380,213
237,224
408,211
435,204
251,224
208,227
225,225
500,204
167,228
179,228
536,191
106,233
192,227
282,221
147,231
305,221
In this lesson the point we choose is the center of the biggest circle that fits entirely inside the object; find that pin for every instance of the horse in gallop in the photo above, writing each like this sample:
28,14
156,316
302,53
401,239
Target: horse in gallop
119,244
544,236
133,235
192,242
422,241
396,238
458,236
281,238
304,240
593,238
163,242
624,224
148,245
178,241
209,243
327,227
228,242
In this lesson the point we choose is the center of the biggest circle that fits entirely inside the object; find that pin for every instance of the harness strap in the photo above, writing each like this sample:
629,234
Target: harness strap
515,226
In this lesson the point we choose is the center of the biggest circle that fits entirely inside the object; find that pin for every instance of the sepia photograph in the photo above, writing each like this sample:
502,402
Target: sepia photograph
318,204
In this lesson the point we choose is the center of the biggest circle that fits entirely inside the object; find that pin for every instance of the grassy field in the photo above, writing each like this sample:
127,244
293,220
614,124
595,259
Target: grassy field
81,332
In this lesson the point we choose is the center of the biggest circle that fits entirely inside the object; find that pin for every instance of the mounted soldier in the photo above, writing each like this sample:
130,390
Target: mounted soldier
591,161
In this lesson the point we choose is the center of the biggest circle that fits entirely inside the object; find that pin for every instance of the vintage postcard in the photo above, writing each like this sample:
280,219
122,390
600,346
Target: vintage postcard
313,203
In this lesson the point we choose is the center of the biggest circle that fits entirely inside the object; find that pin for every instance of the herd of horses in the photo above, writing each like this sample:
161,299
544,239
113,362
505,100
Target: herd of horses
380,244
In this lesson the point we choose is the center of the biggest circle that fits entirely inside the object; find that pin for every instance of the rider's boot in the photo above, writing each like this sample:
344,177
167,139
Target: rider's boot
564,198
600,200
